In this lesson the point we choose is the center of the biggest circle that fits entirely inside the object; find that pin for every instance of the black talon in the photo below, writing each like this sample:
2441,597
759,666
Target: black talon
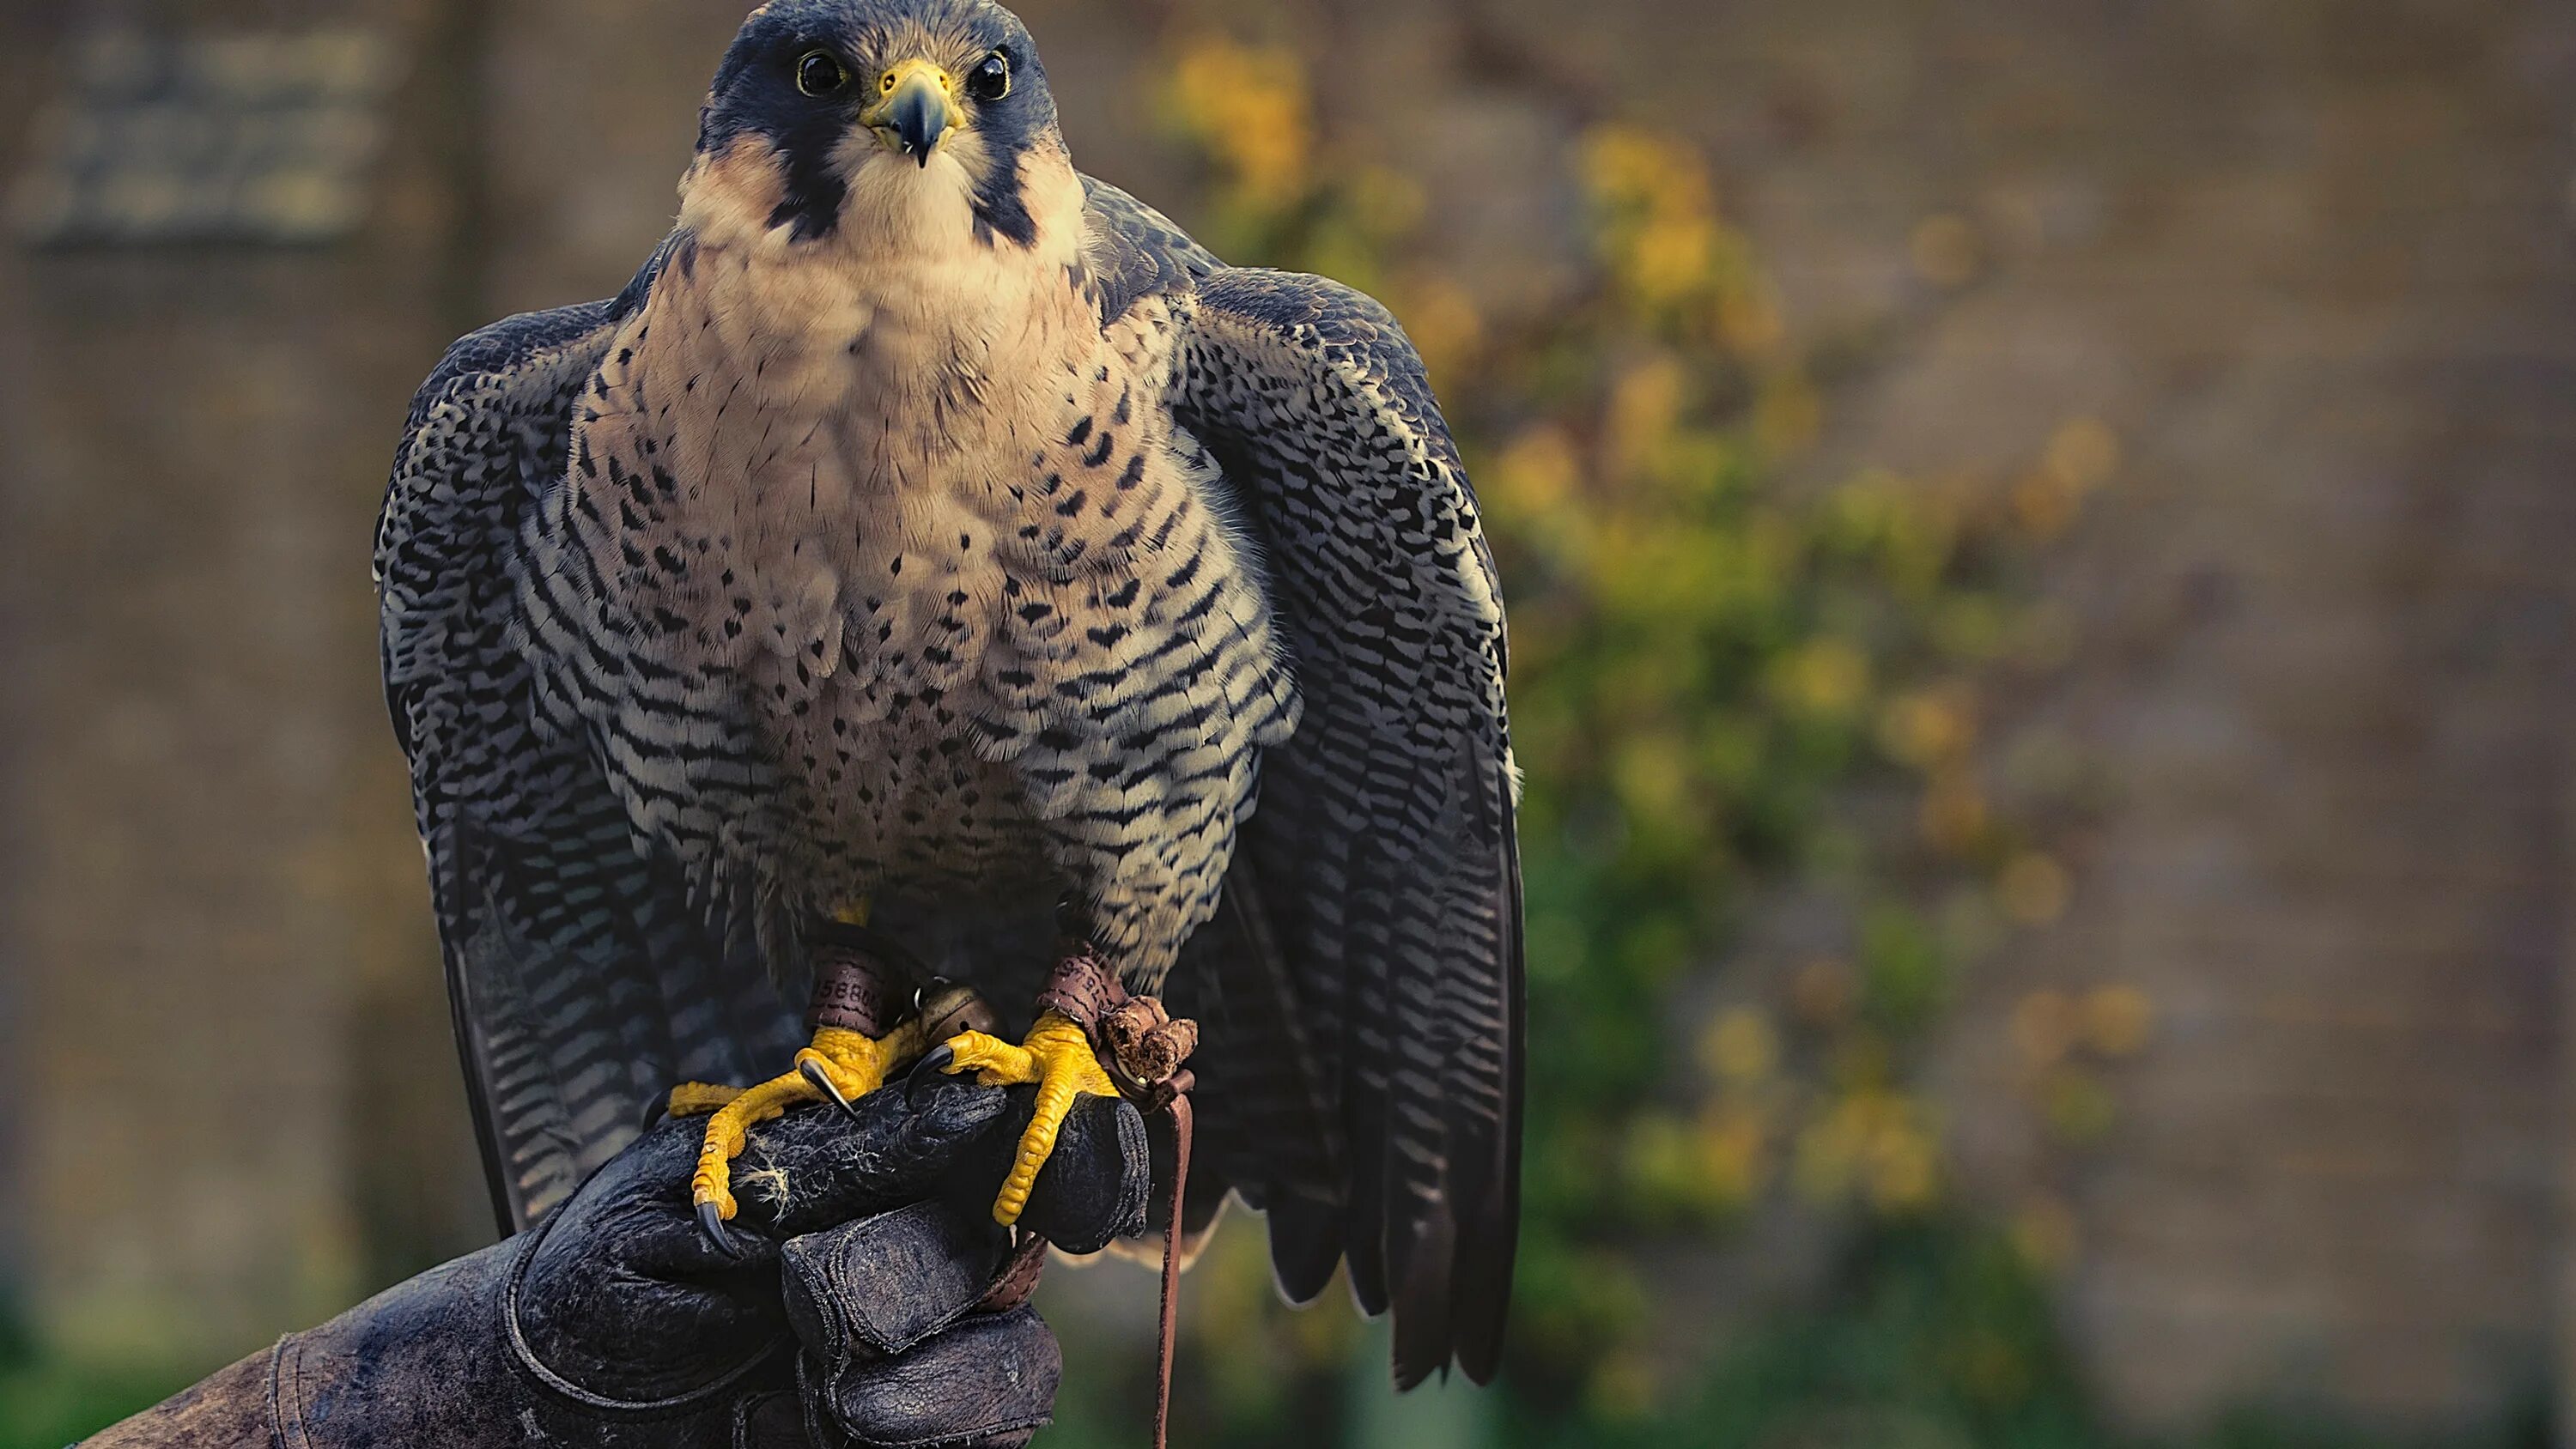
821,1081
930,1068
721,1238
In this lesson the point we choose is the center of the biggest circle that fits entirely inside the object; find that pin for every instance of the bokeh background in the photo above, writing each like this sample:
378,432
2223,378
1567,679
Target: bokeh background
2040,534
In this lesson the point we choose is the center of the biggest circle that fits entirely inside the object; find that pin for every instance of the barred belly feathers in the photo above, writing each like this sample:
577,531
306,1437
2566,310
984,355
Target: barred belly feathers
941,606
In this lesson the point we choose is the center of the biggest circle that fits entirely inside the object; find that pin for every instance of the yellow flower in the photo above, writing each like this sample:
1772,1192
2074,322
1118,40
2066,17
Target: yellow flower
2034,889
1661,237
1627,165
1654,778
1787,413
1386,203
2118,1020
1623,1386
1929,727
1442,319
2078,1106
2082,454
1668,258
1250,108
2044,1232
1877,1143
2079,458
1645,407
1824,678
1734,1156
1905,1172
1537,475
1739,1046
1659,1157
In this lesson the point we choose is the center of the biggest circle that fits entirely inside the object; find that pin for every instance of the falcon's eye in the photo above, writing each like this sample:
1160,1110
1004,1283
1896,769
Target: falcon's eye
990,80
820,73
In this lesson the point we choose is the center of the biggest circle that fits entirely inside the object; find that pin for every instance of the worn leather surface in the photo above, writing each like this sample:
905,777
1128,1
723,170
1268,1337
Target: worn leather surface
946,1260
626,1297
638,1333
989,1381
429,1362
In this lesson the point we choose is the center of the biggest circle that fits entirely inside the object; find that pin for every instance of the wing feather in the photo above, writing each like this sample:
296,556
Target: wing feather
581,983
1384,839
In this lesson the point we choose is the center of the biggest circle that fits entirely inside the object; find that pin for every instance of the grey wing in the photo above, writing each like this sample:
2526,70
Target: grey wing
1384,850
1133,251
583,985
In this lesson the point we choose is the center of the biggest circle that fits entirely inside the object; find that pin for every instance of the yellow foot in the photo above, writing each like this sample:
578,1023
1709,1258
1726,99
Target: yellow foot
1056,1056
697,1099
840,1066
845,1066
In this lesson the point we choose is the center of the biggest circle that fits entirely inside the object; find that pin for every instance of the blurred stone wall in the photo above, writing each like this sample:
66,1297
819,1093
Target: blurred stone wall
226,1026
2311,262
2308,261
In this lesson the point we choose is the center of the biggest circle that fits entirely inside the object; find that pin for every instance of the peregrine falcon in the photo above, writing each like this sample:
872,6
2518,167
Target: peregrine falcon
935,537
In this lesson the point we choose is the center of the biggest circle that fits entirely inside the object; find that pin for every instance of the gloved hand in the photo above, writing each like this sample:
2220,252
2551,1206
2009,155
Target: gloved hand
844,1315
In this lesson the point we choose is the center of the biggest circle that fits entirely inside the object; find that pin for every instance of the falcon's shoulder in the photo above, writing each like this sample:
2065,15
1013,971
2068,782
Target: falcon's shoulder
487,431
493,419
1384,845
1133,251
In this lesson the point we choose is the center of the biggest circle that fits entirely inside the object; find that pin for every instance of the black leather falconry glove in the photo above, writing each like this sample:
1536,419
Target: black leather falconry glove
857,1310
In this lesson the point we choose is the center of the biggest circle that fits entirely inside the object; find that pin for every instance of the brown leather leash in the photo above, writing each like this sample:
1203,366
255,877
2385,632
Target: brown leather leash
1019,1279
1145,1050
1168,1330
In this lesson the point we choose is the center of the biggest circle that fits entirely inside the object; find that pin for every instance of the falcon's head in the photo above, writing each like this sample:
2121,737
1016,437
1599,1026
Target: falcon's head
922,122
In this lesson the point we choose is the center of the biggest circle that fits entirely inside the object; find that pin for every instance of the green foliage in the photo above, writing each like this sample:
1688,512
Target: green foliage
1931,1333
45,1404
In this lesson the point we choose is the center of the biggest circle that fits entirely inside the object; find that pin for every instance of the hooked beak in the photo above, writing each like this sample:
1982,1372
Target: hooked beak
916,108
